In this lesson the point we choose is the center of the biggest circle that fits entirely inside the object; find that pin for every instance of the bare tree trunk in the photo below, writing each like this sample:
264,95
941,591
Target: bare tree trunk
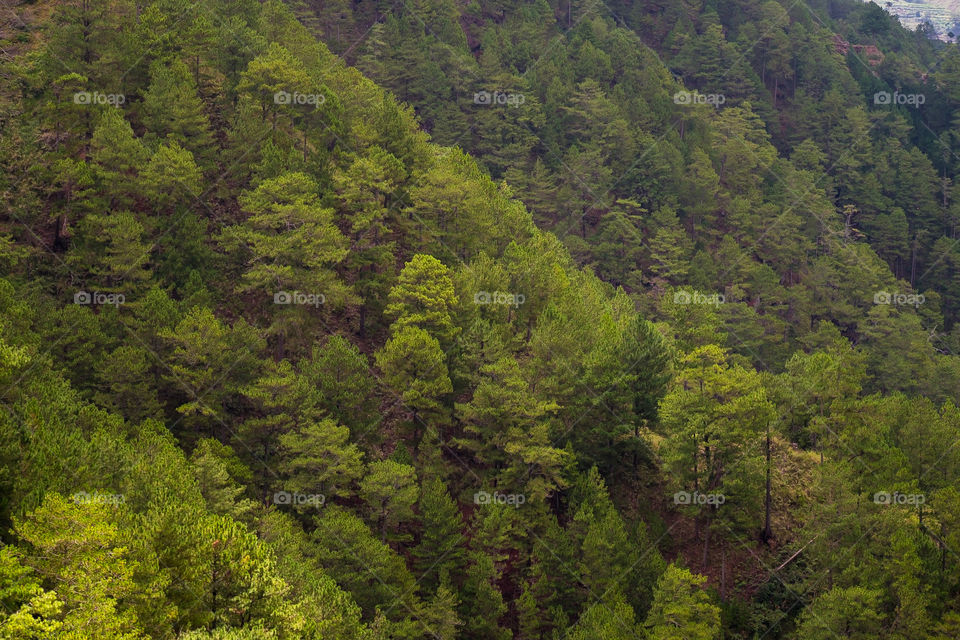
913,262
767,531
723,571
706,546
696,488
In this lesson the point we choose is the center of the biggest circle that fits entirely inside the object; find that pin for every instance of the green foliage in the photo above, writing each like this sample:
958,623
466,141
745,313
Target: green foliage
79,547
414,369
211,465
701,299
242,582
29,611
173,111
318,457
440,550
363,565
117,157
424,298
341,375
851,612
210,361
714,417
681,609
390,491
483,603
111,250
292,246
171,179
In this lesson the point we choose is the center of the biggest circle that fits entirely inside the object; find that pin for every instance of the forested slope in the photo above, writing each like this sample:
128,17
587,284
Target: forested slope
280,359
757,150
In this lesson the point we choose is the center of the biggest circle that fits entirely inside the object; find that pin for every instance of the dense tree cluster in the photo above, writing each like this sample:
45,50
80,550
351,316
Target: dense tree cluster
543,349
736,147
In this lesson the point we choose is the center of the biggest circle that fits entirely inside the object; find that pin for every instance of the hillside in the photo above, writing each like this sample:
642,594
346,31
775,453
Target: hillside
534,320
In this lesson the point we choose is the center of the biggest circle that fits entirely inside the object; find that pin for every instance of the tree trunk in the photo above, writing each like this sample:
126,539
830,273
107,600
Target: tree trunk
767,531
706,546
723,571
913,262
696,487
943,553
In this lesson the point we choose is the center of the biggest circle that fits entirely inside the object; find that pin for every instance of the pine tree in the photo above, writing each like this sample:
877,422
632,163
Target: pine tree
293,247
670,247
851,611
390,491
440,547
117,157
29,611
318,457
172,111
242,582
110,248
128,383
439,616
341,375
209,363
171,179
80,547
608,619
424,297
370,570
505,426
681,609
367,190
220,491
415,371
482,603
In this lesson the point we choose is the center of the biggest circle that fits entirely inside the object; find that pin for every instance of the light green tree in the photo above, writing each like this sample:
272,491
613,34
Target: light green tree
171,179
681,609
80,547
390,491
424,297
173,111
851,612
414,369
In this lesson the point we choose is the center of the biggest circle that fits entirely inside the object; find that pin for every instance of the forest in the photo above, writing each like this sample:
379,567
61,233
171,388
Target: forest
478,320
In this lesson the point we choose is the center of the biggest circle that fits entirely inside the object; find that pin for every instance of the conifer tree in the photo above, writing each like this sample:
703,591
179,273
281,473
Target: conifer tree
415,371
681,608
440,549
172,111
